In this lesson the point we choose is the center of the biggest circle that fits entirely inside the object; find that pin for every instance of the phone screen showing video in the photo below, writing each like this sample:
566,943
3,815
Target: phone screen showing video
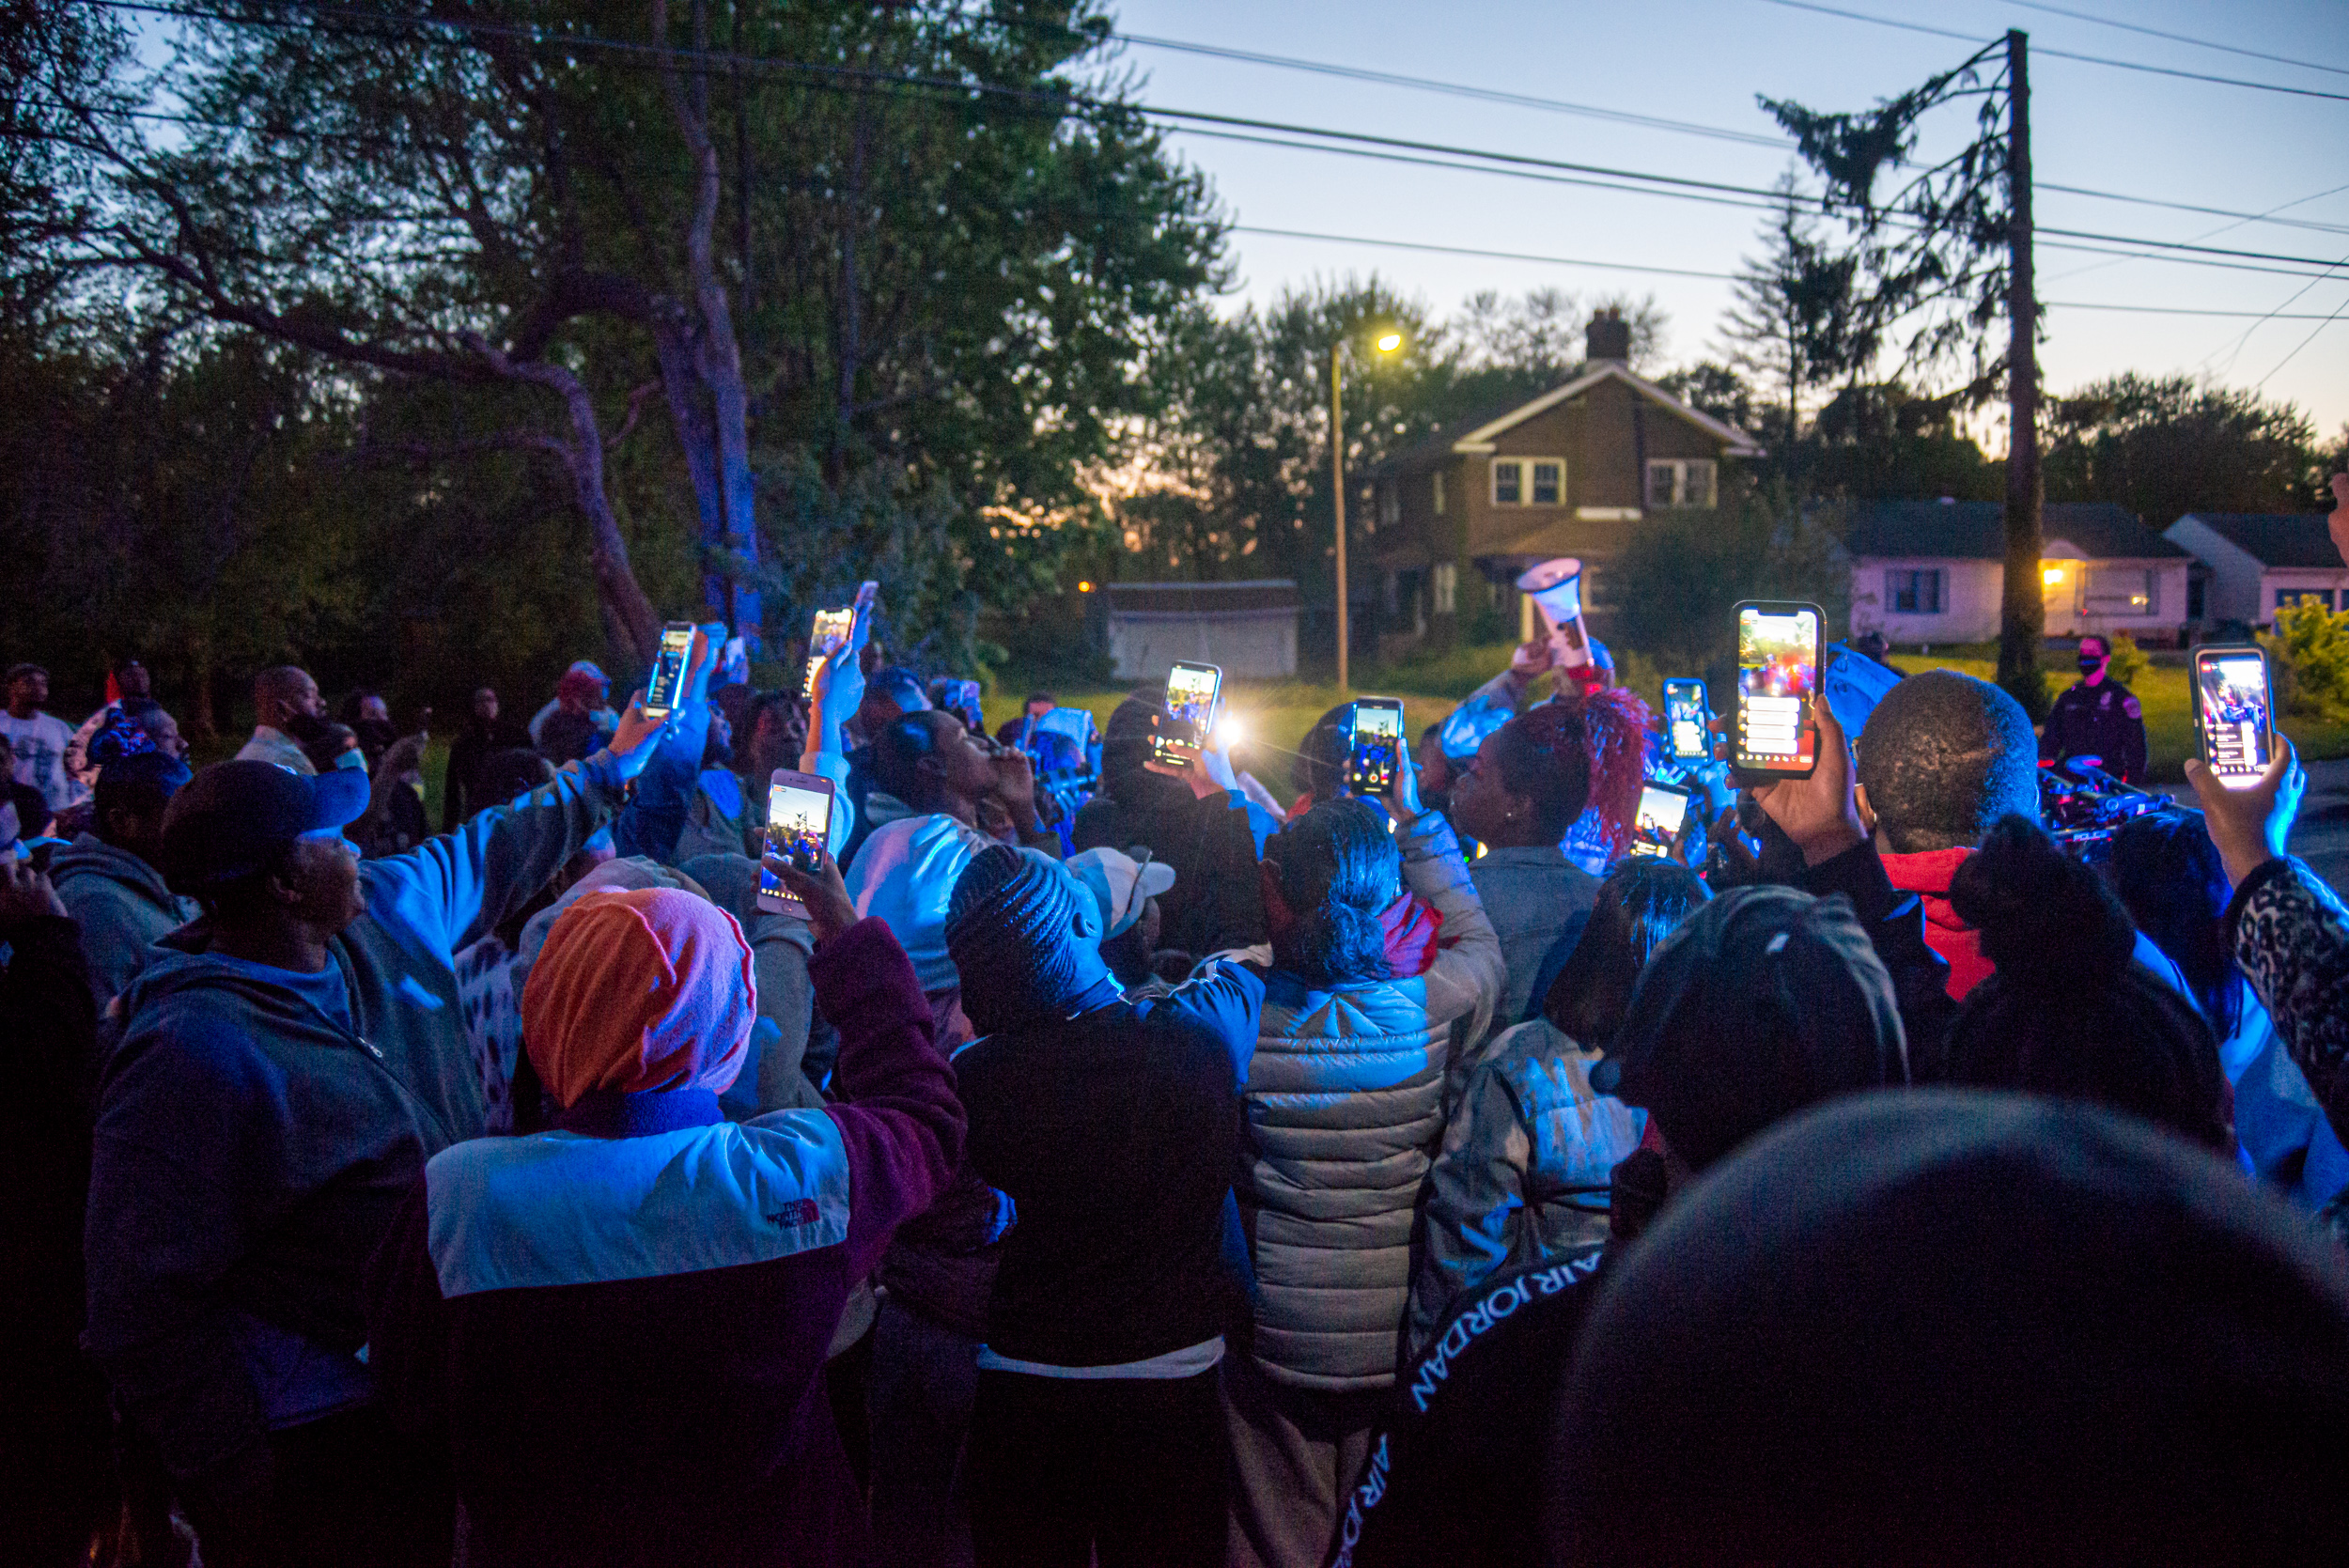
1778,675
667,686
1191,693
830,636
1372,755
1657,823
2234,715
798,822
1684,719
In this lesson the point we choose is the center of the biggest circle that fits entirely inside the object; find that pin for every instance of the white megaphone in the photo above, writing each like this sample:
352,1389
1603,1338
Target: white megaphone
1556,589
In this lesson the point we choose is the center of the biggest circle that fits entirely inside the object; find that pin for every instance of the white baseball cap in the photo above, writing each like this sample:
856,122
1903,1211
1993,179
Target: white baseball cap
1120,884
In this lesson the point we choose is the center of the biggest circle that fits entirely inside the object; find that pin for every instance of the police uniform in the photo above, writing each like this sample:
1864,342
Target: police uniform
2102,720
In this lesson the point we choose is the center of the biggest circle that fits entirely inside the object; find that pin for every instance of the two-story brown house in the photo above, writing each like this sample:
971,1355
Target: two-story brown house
1456,517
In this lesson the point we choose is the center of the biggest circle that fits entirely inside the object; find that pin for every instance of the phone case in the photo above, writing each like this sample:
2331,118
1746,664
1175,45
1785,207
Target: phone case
1763,773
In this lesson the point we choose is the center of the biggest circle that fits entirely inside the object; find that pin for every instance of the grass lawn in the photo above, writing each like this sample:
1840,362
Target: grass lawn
2163,691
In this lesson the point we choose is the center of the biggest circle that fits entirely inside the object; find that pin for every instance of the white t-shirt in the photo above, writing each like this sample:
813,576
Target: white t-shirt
39,744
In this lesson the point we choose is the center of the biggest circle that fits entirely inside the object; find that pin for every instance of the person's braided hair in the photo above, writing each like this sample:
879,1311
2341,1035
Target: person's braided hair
1584,749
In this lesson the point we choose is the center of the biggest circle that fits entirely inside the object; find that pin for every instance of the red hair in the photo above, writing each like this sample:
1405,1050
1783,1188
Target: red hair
1586,750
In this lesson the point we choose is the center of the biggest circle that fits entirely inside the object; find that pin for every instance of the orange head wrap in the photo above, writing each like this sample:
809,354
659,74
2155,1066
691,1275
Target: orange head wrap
639,989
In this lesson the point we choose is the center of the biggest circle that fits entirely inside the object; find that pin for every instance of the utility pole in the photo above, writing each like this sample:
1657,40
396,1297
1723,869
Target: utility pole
2023,618
1337,494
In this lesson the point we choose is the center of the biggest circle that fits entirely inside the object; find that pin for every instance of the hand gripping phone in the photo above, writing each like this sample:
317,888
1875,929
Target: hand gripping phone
666,689
1374,745
799,823
1780,649
1193,692
2234,713
827,637
1685,738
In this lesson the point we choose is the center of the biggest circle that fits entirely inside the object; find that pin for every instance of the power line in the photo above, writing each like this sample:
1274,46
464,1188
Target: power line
1691,273
2303,343
1457,89
2175,38
1350,143
2234,347
2061,54
2266,217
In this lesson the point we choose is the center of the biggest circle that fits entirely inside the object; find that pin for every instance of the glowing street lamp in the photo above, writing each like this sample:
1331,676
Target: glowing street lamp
1387,342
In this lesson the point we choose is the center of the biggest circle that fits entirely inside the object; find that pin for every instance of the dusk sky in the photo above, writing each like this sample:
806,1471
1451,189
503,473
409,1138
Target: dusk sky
1702,61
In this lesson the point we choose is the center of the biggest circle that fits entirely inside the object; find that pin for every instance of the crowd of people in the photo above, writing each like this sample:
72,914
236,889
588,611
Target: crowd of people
1092,1159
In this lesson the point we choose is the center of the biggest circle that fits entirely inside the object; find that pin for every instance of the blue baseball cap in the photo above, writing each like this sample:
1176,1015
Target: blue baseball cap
236,818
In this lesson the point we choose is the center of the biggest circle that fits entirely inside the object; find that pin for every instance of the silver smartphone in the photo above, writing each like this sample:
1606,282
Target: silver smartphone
667,689
798,825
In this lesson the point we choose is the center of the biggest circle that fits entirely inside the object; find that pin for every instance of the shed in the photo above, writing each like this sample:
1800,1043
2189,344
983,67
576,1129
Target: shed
1928,572
2260,560
1247,630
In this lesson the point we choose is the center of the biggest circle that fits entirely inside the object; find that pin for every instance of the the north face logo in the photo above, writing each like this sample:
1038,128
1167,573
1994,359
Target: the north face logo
798,1211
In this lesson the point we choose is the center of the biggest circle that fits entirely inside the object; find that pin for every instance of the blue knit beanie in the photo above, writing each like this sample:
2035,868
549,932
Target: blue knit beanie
1023,942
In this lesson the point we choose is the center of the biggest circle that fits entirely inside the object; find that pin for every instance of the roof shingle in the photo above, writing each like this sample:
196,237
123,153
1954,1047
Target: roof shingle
2301,539
1976,531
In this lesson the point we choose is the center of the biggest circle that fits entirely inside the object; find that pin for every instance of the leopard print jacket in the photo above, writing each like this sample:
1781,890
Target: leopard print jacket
2291,941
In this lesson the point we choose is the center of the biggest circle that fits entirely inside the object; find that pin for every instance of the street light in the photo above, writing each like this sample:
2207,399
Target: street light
1387,342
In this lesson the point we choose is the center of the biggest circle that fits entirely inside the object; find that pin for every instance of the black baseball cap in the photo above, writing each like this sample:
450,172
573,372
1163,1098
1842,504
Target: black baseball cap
236,818
1764,1001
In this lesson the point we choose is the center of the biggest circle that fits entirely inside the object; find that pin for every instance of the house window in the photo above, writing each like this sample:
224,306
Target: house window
1913,593
1446,587
1680,482
1529,481
1439,492
2304,596
1390,504
2120,590
1550,482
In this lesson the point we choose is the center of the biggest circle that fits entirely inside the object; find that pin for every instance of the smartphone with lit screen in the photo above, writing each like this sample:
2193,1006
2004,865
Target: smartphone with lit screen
799,823
1685,738
1778,655
1374,745
1662,809
831,634
2234,713
666,689
1193,692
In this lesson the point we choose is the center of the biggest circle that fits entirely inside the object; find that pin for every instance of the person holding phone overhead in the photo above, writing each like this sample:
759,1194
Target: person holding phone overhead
2098,717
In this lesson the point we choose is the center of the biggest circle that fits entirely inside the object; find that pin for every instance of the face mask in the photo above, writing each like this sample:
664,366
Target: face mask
2090,663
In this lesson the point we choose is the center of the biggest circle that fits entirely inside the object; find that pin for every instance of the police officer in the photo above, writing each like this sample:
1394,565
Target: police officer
2098,717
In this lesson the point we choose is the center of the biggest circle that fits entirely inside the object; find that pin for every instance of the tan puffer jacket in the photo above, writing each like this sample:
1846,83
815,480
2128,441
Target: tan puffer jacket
1345,1097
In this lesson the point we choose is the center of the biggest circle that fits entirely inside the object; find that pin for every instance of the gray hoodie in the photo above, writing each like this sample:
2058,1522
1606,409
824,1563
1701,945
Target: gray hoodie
251,1149
123,907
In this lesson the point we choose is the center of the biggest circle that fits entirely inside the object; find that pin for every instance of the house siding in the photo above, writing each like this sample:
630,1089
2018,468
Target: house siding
1973,594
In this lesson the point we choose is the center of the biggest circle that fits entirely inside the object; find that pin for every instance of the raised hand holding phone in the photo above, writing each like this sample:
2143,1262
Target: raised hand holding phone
632,742
2250,826
819,890
1819,810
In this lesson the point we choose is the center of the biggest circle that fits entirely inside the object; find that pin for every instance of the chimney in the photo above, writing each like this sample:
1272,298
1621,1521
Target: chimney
1608,338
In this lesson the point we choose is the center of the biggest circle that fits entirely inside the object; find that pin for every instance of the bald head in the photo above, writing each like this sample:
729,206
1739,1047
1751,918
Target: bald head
1943,758
283,691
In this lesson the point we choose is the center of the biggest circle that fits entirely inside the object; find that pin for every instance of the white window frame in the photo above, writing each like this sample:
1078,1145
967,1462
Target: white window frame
1444,587
2125,605
1681,471
1524,465
1439,492
1390,504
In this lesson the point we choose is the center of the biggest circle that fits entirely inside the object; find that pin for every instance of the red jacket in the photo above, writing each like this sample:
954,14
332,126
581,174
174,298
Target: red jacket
1928,877
619,1330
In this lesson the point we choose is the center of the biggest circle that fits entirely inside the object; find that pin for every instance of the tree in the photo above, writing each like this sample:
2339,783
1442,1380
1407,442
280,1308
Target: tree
1790,320
2163,446
1949,254
951,258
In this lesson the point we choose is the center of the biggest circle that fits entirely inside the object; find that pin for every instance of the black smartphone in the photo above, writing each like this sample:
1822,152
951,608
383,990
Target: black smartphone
666,689
799,821
1662,809
1685,738
1780,649
1373,744
2234,713
1193,692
